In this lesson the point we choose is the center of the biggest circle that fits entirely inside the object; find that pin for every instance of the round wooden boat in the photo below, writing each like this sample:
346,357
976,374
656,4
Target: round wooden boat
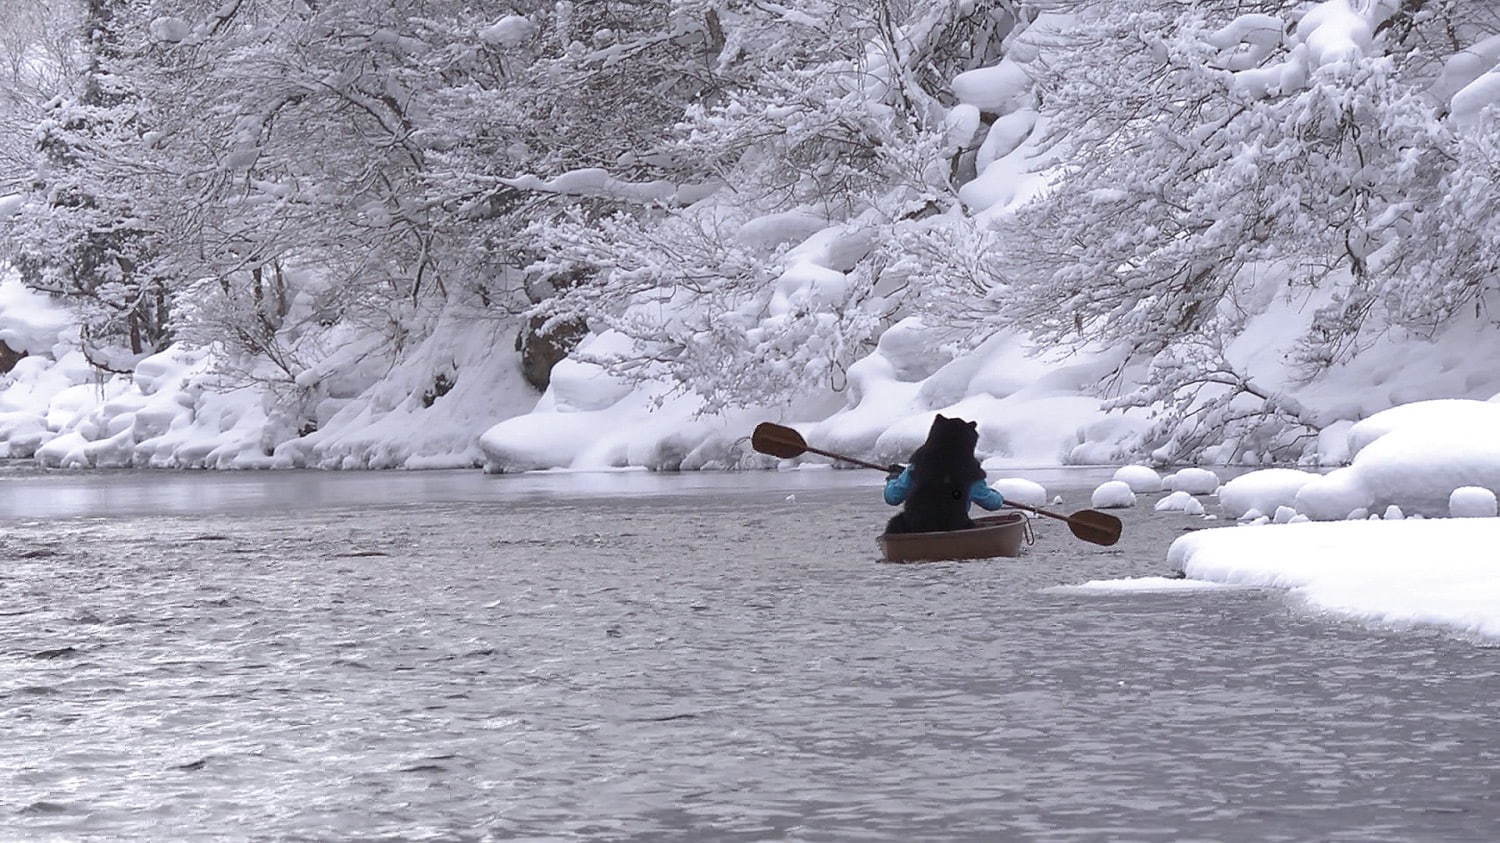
992,535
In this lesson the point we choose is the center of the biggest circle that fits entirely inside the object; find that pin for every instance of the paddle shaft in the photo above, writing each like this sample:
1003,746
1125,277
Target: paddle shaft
1038,511
822,453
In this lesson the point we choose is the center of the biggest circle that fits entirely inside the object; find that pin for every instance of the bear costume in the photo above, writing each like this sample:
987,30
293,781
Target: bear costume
941,481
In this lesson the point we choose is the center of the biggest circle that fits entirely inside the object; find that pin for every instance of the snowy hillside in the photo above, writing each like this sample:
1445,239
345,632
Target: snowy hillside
534,235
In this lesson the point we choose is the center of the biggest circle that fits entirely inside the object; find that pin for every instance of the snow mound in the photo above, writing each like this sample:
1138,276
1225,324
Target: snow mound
1413,456
426,412
1112,494
1033,407
31,322
1471,502
590,420
1425,414
1470,102
1430,571
1265,490
1020,490
997,89
1136,585
1140,478
1194,481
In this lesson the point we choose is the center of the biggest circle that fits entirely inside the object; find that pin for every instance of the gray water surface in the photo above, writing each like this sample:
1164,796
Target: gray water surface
508,658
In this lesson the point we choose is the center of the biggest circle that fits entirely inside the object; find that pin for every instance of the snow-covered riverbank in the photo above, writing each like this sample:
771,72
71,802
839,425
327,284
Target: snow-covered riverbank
1442,572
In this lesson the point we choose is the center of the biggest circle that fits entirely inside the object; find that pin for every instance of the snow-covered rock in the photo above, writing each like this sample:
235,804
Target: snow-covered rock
1194,481
1140,478
1175,502
1112,494
1264,490
1471,502
1020,490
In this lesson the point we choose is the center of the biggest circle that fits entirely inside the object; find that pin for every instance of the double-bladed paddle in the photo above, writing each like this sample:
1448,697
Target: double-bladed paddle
776,440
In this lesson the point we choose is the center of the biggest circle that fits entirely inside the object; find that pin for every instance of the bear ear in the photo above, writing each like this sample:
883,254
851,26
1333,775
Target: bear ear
974,424
940,417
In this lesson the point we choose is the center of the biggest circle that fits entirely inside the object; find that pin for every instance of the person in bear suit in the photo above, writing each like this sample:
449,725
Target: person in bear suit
941,481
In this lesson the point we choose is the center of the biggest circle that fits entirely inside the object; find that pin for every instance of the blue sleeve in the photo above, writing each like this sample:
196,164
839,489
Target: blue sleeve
897,488
986,497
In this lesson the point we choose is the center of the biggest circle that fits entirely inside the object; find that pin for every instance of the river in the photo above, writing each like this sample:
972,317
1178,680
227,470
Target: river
699,656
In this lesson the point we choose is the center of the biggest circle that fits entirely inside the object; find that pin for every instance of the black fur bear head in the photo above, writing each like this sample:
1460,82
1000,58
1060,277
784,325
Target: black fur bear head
952,435
949,450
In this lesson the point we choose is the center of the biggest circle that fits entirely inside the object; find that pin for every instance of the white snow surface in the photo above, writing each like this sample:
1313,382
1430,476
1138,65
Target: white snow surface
1430,571
1112,494
999,88
32,322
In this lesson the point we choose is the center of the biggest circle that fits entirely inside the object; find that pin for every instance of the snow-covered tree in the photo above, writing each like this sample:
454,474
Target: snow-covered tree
1200,157
830,118
80,232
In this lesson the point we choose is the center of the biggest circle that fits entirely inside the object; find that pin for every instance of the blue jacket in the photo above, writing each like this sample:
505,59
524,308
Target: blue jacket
897,488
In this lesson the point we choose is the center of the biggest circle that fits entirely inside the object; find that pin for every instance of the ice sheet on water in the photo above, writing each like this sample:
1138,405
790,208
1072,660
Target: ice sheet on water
1136,585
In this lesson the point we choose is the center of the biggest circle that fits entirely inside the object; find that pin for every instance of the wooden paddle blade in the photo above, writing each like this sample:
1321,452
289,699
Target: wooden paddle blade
778,441
1094,526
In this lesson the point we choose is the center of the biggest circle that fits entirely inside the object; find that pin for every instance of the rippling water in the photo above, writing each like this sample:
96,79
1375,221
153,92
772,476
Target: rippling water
533,661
